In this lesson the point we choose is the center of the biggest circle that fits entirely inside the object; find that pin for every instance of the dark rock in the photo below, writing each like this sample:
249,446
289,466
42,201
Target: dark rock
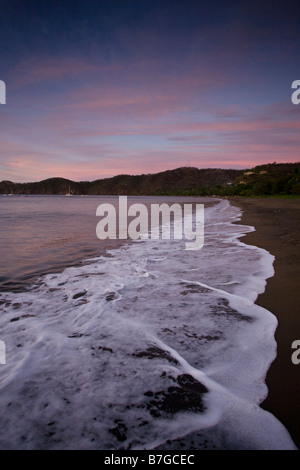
186,397
111,296
79,294
119,431
154,352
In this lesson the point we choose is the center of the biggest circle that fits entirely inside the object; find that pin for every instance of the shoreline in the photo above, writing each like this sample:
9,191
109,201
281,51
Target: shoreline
277,230
276,222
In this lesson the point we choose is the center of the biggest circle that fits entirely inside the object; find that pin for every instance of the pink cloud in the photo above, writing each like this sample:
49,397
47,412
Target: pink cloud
49,69
75,134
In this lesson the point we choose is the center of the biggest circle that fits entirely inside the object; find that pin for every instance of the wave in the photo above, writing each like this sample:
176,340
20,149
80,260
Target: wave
145,345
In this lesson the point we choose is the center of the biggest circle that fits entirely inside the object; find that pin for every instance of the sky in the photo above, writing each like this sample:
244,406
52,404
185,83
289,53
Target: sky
100,88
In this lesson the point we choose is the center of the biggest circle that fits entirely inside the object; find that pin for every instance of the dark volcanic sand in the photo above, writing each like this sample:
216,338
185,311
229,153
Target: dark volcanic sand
277,224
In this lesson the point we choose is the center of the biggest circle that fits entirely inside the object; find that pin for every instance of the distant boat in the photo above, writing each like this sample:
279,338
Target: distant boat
69,193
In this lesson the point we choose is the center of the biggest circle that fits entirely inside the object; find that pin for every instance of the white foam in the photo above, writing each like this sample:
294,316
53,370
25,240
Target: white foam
93,352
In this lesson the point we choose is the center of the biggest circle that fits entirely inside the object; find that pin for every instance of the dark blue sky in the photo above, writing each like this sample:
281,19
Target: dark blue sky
97,88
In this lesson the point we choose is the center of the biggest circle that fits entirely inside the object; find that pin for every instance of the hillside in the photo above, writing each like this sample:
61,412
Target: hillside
268,180
179,181
263,180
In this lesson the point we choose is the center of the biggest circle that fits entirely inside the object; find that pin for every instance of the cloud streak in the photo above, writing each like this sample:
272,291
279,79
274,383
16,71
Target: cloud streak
44,70
139,89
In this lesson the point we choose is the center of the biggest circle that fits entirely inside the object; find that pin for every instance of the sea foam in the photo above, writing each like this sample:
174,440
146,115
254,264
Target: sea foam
143,346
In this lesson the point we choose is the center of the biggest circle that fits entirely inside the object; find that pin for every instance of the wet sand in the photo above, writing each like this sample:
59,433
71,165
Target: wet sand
277,224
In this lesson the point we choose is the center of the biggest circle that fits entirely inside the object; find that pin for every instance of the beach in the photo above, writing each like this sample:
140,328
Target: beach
277,229
182,325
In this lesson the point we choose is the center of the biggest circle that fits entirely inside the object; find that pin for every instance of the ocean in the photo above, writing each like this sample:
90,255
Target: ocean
137,344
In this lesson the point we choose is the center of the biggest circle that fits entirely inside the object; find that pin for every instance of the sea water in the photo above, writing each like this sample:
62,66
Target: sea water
141,346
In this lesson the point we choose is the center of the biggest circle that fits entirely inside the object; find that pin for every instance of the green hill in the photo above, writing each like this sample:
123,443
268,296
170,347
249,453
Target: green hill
268,180
179,181
265,180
